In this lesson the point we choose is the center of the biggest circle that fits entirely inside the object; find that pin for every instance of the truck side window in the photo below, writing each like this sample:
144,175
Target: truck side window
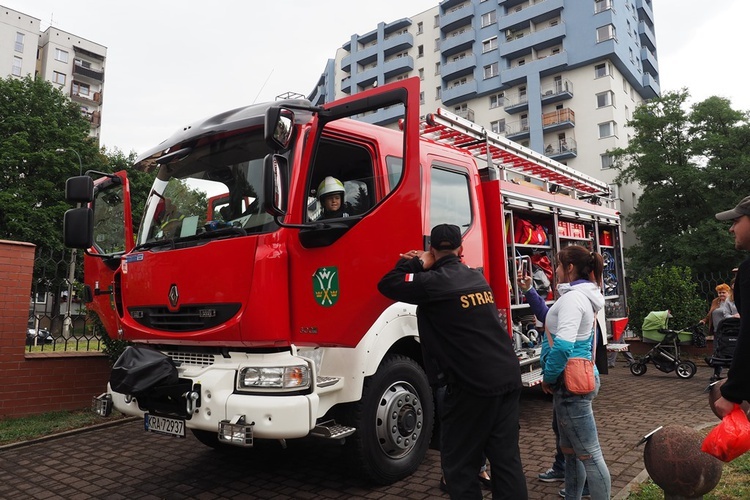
450,202
395,168
352,166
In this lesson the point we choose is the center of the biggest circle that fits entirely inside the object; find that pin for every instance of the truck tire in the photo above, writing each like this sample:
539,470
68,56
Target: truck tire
394,420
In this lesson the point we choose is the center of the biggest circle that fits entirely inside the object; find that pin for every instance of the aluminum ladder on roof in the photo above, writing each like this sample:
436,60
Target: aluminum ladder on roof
448,128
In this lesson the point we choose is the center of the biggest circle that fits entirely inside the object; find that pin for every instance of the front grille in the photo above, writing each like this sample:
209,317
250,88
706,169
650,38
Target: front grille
191,358
188,318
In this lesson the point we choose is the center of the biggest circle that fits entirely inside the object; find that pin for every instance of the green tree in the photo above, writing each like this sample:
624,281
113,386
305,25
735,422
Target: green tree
665,288
36,120
691,163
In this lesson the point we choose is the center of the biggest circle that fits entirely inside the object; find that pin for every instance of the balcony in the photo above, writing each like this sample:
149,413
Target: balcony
366,78
363,57
454,19
398,66
467,113
644,9
517,73
539,40
517,104
459,93
517,131
89,98
647,36
536,12
648,59
560,90
650,86
456,69
455,44
562,149
398,43
95,118
558,119
346,85
88,73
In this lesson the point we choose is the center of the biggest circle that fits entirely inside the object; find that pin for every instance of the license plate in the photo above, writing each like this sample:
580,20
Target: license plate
164,425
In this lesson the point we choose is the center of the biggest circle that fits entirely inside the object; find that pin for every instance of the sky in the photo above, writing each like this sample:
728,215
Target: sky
173,62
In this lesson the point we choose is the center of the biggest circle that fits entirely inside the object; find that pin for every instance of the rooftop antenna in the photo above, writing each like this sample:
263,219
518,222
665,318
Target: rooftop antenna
262,86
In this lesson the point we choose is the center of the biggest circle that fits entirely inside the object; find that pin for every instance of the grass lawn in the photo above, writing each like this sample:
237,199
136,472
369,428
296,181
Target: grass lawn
13,430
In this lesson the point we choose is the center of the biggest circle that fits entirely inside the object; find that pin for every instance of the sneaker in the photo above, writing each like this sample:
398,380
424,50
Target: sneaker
585,494
552,475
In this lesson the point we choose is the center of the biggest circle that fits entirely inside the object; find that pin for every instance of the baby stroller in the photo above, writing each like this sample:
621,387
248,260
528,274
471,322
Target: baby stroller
725,340
665,355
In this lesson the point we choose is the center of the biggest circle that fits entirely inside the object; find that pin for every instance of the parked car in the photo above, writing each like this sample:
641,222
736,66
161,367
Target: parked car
43,336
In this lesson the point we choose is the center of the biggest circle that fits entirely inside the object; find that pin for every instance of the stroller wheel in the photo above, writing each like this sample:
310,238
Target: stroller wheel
686,369
637,369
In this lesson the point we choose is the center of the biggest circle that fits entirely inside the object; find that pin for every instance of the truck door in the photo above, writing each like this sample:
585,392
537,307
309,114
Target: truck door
113,237
336,262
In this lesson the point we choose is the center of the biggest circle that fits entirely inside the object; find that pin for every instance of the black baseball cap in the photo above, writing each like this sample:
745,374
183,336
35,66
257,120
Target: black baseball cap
742,208
445,237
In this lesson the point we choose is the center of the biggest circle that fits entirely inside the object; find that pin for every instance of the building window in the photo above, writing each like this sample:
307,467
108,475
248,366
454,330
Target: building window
490,71
521,62
605,99
437,68
489,18
437,93
437,44
420,28
58,78
420,51
607,161
421,98
602,5
61,55
437,21
607,129
17,63
601,70
498,126
421,74
86,64
489,45
497,100
19,42
605,33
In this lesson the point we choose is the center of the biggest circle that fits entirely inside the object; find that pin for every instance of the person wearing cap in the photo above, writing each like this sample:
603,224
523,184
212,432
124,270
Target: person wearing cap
468,351
331,196
736,389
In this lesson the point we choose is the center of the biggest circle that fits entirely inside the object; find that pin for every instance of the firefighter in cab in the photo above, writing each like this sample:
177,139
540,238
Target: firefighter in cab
331,196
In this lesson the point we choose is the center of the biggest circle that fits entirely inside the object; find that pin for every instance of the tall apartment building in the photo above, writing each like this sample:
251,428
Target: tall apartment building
561,77
71,63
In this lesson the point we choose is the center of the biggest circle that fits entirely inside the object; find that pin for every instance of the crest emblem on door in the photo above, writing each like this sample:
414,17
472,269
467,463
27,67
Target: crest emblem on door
326,286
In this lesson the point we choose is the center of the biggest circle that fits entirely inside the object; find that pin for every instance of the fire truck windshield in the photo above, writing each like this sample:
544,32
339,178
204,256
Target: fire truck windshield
215,190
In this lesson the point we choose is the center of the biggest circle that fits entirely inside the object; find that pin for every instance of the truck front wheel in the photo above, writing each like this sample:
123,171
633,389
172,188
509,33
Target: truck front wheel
394,420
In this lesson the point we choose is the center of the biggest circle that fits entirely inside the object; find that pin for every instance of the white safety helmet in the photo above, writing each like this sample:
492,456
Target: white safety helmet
330,185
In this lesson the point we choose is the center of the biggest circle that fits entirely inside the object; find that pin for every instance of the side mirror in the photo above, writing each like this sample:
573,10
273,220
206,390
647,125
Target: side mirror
278,128
275,176
79,189
78,228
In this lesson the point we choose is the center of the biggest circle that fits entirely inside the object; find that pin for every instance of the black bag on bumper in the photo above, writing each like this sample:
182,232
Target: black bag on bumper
139,369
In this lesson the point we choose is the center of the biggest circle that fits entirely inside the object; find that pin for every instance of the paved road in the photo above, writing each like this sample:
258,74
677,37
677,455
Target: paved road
123,462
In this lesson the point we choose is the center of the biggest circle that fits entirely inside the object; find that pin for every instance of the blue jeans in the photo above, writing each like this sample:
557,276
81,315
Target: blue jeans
575,421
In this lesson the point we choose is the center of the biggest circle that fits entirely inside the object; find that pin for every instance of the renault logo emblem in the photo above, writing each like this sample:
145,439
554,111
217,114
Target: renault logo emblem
174,295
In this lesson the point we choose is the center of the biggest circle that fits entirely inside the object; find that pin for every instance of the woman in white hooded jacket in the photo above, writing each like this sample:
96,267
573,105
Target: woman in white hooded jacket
570,322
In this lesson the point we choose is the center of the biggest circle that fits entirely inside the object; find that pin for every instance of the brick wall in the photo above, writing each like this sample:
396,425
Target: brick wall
37,382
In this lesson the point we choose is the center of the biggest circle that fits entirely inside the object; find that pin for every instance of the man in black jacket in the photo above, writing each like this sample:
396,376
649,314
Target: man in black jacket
466,349
736,389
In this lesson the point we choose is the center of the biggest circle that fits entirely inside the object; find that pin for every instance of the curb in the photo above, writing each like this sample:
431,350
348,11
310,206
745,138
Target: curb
71,432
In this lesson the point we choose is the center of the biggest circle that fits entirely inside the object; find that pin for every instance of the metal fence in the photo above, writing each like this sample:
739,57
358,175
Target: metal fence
58,318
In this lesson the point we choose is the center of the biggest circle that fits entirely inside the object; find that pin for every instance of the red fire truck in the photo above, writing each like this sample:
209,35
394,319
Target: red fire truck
252,317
